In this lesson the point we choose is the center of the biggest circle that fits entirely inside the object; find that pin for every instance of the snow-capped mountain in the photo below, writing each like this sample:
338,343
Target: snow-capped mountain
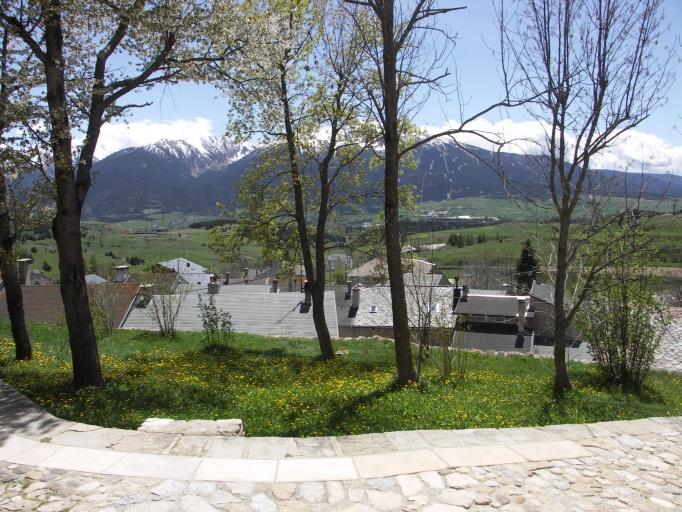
202,156
192,177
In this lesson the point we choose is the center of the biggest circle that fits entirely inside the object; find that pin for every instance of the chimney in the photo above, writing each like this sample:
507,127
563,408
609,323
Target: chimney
227,278
121,274
145,293
349,289
213,288
465,293
355,298
24,268
456,296
275,285
306,289
246,275
521,315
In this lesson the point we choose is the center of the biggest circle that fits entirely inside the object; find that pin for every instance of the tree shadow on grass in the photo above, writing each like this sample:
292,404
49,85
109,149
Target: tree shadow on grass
349,410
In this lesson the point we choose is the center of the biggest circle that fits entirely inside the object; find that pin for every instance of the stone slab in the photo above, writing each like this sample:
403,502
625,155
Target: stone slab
552,450
478,456
145,442
226,447
174,467
312,470
36,455
236,470
96,438
408,440
364,444
82,459
11,445
398,463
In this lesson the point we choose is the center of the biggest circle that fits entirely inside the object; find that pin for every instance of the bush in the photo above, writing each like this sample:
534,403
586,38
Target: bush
217,324
135,260
46,266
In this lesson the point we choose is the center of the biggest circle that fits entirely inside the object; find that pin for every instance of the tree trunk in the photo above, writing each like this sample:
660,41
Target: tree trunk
66,224
401,327
561,379
15,305
315,280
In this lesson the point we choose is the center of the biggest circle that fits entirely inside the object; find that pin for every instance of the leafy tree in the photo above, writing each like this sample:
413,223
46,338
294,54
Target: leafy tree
24,197
46,267
77,44
527,268
594,73
309,122
623,319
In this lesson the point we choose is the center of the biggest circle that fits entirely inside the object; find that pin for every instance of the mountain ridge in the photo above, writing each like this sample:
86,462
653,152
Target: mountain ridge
173,175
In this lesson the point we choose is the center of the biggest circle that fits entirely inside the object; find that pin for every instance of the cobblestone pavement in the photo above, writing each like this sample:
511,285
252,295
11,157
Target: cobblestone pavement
626,471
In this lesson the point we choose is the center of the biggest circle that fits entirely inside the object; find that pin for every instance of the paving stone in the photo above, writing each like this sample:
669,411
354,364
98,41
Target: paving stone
311,492
384,500
169,488
192,503
462,499
410,484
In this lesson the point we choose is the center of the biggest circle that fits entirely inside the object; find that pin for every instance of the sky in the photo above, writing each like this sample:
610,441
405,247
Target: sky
194,111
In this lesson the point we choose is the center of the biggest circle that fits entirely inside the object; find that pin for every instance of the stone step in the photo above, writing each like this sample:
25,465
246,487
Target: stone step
225,428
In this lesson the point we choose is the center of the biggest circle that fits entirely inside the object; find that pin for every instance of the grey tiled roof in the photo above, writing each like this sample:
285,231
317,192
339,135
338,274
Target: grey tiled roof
375,305
268,314
543,292
669,353
233,289
497,305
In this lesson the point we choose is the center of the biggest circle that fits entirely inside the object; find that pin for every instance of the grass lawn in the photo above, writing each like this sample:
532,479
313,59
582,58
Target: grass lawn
278,387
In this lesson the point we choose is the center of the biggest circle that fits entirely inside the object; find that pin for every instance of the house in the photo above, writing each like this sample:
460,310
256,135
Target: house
484,319
375,270
94,279
28,276
542,306
339,261
267,314
184,266
44,303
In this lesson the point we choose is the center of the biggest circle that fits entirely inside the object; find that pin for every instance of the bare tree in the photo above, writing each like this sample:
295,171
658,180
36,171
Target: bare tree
75,43
593,67
405,54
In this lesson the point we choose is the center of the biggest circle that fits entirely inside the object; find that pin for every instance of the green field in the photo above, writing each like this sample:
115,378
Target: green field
279,387
160,237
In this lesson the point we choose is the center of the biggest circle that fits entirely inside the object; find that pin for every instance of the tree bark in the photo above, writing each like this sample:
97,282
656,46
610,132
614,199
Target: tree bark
8,267
401,327
66,224
561,379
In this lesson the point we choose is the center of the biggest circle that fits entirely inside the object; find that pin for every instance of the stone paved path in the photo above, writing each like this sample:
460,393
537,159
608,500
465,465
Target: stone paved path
628,465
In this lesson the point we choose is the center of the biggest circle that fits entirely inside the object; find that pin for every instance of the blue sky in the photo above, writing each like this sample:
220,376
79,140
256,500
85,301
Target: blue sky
191,111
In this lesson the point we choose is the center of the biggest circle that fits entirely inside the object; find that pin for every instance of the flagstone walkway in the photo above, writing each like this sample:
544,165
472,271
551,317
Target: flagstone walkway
48,464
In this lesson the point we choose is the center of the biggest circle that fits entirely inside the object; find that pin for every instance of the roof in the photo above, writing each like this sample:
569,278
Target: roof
267,314
669,353
543,292
492,305
44,303
377,267
375,306
275,270
183,265
234,289
94,279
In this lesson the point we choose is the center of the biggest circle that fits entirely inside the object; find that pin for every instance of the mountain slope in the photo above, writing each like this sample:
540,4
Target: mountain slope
178,176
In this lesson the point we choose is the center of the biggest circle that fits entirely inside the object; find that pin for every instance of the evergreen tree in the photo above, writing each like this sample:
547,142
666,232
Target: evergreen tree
527,268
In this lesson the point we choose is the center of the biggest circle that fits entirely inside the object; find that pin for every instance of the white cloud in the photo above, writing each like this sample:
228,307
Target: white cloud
634,149
115,137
